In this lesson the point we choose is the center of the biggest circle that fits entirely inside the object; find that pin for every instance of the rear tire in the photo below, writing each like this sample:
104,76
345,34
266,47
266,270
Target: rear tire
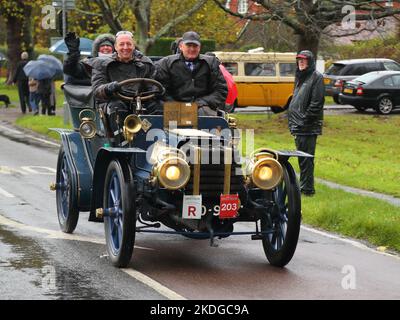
336,99
284,221
361,109
66,194
277,109
385,105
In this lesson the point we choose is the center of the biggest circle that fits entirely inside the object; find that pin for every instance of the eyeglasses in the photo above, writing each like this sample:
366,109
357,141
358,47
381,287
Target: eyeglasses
120,33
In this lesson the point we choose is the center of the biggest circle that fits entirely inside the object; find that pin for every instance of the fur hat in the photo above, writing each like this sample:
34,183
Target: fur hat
101,39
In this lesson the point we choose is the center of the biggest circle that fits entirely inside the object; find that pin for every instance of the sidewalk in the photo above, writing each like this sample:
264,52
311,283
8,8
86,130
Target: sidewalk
8,129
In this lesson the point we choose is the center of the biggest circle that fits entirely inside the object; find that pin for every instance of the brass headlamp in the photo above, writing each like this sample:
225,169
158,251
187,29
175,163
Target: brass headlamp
87,128
263,169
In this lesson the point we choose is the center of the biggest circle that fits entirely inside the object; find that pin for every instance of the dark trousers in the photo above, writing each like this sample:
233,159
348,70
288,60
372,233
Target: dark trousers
23,92
46,104
306,144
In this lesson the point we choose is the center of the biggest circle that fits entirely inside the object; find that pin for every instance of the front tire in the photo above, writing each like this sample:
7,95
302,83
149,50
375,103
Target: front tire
66,194
284,221
120,222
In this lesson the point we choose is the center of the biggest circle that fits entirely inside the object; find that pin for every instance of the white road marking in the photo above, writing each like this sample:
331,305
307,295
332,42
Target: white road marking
354,243
39,169
51,234
6,194
26,170
168,293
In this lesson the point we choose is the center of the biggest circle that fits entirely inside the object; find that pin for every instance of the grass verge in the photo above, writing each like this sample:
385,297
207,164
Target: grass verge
353,215
41,124
355,150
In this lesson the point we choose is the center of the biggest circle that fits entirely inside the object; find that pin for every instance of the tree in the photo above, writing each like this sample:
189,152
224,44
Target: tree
141,10
309,18
17,15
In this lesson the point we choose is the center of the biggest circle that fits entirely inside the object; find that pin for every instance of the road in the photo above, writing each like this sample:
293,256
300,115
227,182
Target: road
37,261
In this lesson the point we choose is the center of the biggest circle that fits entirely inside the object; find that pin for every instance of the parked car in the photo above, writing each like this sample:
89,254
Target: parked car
379,90
344,70
187,178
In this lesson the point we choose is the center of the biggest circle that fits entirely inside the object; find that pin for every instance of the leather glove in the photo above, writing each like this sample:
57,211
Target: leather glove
112,87
72,42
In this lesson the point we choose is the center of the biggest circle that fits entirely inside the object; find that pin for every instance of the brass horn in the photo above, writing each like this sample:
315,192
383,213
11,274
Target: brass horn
132,125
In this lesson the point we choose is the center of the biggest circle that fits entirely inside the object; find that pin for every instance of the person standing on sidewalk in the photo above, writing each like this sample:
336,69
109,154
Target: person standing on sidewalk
21,80
305,115
34,96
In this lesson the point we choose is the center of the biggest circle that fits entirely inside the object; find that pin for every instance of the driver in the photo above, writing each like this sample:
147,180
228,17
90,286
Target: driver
107,72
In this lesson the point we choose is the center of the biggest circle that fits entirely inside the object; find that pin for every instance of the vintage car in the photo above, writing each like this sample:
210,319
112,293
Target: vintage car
174,172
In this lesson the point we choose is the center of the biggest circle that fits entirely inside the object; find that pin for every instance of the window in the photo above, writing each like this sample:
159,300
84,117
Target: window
335,69
373,67
260,69
243,6
388,82
356,70
232,67
389,65
396,81
287,69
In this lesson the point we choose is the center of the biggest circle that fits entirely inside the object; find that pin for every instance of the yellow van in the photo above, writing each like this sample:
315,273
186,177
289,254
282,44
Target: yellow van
262,78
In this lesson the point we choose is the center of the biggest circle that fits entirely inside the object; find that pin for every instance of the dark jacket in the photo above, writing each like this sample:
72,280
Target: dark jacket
205,85
78,72
20,75
106,70
305,112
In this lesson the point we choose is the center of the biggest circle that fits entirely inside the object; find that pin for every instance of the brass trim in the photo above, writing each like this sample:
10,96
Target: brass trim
228,168
196,171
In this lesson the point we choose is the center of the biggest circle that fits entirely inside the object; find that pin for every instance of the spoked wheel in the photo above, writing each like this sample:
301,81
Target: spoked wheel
119,213
284,221
66,195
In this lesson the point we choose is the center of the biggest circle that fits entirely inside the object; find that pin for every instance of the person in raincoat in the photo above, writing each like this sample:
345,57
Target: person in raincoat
21,79
305,115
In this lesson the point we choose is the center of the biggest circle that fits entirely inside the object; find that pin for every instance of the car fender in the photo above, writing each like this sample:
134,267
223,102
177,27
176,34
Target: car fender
385,94
103,159
79,164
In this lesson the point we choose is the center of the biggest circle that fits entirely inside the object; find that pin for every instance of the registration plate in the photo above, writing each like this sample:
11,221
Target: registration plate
350,91
229,206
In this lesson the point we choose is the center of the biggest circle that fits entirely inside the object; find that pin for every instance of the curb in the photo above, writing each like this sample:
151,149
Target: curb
26,136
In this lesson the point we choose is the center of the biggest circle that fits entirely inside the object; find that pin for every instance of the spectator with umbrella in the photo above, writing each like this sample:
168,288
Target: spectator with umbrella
44,70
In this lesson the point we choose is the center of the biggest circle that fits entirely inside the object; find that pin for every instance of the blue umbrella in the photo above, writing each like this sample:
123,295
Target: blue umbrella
53,63
85,46
39,70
